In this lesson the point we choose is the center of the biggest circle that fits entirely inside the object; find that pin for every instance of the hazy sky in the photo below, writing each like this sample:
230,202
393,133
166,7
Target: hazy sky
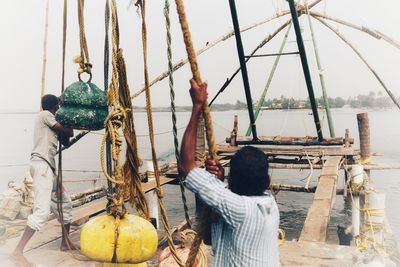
22,31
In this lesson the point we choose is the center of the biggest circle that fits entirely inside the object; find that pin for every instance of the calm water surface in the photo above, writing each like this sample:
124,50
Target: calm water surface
82,161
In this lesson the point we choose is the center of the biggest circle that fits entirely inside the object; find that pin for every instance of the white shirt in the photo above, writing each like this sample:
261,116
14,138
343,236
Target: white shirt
45,138
247,232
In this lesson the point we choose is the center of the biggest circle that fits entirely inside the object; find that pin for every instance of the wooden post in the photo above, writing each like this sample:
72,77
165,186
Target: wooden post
234,132
347,142
151,197
364,133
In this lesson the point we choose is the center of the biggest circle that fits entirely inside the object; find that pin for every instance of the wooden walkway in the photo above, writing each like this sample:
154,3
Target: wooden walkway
318,216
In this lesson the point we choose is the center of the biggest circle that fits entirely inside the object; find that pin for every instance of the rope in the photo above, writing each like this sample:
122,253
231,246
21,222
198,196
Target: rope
59,185
158,189
125,177
364,240
212,148
83,60
196,75
110,188
172,95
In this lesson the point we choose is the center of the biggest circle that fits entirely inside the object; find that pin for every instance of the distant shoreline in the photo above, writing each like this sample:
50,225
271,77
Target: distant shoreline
215,109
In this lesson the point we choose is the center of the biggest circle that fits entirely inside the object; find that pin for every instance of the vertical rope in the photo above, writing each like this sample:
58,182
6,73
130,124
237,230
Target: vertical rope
110,189
82,35
59,186
172,95
212,148
208,123
159,191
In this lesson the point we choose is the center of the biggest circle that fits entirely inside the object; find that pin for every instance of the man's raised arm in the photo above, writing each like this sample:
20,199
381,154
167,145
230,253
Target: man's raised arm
187,162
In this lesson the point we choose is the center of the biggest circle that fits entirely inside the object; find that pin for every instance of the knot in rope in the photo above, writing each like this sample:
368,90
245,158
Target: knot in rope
83,66
159,192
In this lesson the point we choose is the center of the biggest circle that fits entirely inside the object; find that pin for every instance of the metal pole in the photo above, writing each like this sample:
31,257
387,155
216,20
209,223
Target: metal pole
271,75
306,70
243,66
321,75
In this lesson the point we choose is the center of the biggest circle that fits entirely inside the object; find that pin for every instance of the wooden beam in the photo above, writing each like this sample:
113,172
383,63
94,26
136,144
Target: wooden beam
290,141
99,206
299,188
226,150
316,223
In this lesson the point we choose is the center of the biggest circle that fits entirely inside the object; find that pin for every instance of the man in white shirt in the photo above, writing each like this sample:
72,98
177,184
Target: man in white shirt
246,232
47,132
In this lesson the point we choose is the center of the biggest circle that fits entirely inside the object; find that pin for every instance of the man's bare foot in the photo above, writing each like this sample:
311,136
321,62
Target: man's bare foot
20,260
71,246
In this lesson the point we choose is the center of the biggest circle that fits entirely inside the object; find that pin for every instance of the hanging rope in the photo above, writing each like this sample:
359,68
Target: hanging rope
110,188
142,5
172,95
212,149
46,29
83,60
59,185
125,177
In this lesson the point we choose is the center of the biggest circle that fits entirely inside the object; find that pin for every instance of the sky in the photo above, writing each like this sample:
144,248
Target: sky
22,34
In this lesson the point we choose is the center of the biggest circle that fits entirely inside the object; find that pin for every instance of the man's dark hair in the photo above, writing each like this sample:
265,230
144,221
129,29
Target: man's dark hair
249,172
49,102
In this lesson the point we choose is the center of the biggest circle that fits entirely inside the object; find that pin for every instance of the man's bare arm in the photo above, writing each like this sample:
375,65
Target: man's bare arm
188,146
65,131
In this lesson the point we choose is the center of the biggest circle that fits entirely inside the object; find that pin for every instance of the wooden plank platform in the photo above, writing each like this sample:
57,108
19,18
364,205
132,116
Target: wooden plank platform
318,215
225,150
316,254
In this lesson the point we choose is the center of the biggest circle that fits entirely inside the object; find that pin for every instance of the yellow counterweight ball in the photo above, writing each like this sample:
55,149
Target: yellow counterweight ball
125,265
137,239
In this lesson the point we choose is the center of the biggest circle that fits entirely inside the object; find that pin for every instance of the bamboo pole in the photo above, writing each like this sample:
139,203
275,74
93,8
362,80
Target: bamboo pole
223,38
46,29
306,70
374,33
209,45
365,137
321,74
271,75
87,192
259,46
243,67
344,39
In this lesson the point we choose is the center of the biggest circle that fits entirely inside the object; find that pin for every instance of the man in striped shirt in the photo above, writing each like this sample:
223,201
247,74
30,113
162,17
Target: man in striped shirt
246,232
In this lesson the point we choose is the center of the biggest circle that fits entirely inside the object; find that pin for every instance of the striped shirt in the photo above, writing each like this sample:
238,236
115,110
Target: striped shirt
247,232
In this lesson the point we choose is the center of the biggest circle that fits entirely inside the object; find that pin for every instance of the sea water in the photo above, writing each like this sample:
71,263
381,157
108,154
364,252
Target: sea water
82,161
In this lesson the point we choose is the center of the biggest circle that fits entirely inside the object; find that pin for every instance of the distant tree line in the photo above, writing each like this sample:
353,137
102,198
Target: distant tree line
371,100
